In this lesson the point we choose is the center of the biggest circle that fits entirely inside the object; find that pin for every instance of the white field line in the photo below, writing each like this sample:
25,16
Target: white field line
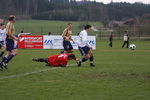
29,73
53,68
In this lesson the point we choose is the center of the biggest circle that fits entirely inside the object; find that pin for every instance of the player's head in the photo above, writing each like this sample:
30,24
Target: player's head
2,26
12,18
69,25
125,31
72,57
88,28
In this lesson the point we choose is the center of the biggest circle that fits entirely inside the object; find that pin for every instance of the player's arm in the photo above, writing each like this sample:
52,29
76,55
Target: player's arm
72,40
61,65
9,32
64,33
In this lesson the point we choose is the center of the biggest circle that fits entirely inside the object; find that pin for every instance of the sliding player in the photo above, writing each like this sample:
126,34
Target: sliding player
84,47
60,60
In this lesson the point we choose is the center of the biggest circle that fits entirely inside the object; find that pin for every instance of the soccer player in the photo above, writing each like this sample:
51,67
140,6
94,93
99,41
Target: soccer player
126,40
60,60
67,39
84,47
111,39
11,45
2,39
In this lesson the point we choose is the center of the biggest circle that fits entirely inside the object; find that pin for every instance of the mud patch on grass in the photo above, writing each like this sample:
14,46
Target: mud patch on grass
51,81
117,76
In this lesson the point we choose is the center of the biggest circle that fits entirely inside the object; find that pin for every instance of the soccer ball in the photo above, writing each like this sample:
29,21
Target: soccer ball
132,46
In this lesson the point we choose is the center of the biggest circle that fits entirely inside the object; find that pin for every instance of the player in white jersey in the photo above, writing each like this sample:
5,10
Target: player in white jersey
84,48
126,40
2,39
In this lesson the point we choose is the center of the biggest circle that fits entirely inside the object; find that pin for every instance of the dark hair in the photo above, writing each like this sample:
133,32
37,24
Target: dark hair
125,31
11,17
69,23
72,56
2,24
21,31
87,27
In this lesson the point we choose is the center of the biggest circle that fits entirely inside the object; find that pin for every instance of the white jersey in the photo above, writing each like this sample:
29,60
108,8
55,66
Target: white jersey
125,38
2,34
82,39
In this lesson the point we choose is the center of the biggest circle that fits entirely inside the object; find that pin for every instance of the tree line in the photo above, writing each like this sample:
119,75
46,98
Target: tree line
73,10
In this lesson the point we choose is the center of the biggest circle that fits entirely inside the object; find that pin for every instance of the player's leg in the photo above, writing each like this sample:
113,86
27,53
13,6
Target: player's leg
123,44
91,58
127,46
1,46
13,54
85,53
64,46
13,48
67,47
84,59
40,59
70,49
4,60
3,50
110,43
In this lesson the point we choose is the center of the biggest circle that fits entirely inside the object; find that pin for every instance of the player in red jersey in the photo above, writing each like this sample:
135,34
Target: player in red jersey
60,60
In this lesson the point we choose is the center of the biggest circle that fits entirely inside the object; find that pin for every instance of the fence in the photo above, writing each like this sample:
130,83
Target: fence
135,32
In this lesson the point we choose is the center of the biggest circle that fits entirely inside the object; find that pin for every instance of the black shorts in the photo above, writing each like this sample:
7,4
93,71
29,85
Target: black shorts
84,50
10,44
67,45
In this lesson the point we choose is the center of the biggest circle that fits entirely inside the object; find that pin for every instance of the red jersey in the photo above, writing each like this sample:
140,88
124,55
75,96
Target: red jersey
58,60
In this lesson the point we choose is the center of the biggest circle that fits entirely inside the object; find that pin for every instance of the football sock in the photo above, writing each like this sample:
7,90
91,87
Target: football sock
84,59
91,59
4,59
9,58
1,54
42,60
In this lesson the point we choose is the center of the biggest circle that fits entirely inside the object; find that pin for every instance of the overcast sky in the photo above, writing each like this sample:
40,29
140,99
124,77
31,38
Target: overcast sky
131,1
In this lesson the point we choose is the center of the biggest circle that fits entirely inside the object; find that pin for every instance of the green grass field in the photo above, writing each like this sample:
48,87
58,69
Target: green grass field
120,74
45,26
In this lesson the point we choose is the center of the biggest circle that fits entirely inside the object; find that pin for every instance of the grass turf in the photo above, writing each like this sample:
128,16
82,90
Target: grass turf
120,74
45,26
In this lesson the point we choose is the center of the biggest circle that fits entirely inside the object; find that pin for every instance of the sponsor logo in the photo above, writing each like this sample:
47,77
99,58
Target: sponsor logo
91,42
21,39
48,42
31,39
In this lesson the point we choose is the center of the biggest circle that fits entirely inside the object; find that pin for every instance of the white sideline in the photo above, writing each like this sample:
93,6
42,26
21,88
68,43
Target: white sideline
29,73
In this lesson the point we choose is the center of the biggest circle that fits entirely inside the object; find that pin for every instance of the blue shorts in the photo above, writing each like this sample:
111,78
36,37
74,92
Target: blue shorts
67,45
10,44
84,50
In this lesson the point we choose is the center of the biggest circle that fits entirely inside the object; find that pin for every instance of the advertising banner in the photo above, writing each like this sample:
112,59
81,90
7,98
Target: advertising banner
29,41
49,42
